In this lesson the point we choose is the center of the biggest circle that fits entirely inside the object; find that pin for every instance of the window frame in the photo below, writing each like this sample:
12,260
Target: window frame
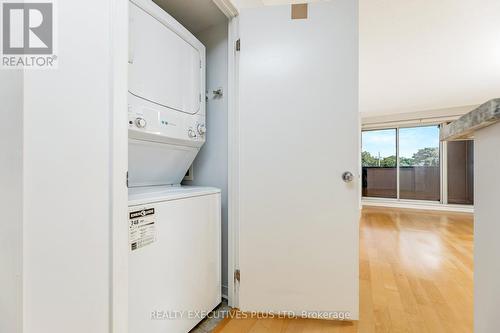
396,131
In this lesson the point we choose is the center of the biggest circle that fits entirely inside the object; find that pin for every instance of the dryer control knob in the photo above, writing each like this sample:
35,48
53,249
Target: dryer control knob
191,133
140,122
202,129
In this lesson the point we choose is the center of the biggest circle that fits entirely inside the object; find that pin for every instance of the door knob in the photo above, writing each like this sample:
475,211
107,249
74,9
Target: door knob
347,177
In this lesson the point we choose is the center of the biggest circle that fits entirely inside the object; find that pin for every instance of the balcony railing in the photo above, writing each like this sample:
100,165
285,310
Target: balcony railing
415,182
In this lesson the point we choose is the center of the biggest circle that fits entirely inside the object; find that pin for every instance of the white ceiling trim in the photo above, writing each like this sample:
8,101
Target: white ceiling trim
370,121
227,7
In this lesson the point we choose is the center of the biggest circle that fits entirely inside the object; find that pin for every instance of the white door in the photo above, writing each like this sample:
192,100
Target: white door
298,133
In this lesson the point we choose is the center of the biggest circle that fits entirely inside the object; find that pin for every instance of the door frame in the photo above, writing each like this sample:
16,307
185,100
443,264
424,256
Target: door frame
233,162
118,146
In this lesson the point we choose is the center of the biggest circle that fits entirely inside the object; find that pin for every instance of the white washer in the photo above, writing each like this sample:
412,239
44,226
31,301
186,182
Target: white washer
174,257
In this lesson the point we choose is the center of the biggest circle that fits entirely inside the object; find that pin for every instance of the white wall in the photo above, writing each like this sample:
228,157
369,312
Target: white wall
486,230
427,54
67,178
11,141
210,166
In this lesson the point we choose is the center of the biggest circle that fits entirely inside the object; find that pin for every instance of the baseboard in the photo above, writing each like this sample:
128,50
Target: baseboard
417,205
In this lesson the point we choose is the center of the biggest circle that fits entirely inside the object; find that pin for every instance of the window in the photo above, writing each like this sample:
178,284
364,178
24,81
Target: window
379,163
405,163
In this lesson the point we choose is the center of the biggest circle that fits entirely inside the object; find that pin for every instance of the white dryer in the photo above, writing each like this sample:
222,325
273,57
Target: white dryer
166,111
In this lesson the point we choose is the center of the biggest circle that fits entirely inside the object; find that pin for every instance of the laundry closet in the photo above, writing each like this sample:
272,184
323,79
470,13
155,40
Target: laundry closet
177,162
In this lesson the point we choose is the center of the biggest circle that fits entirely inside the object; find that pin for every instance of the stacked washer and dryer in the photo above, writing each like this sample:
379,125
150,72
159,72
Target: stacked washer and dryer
174,231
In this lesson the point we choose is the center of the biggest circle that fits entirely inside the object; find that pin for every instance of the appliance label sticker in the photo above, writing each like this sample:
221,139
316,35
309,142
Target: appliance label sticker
142,228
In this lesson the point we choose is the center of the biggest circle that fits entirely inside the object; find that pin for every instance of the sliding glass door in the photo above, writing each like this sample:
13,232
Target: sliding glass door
407,163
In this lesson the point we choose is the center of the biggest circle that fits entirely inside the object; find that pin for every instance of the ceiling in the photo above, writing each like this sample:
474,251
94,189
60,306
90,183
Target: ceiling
195,15
425,54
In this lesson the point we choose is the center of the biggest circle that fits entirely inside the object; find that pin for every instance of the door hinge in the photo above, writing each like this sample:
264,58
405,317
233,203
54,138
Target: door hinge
238,45
237,275
127,179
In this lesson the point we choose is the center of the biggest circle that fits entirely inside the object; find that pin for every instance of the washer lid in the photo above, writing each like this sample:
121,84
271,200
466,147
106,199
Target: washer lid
152,194
157,164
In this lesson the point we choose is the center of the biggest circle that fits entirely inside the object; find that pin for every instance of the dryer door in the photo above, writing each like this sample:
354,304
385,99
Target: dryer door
163,67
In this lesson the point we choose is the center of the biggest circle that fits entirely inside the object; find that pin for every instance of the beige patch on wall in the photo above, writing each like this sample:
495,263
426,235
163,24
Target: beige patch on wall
299,11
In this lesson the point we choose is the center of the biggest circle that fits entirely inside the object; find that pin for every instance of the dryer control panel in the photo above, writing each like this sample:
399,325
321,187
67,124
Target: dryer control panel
151,122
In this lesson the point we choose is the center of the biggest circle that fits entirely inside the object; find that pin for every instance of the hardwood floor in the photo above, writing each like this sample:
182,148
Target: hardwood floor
416,275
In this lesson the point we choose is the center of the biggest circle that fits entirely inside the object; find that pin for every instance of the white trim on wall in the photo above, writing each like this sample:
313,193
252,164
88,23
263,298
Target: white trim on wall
415,204
377,121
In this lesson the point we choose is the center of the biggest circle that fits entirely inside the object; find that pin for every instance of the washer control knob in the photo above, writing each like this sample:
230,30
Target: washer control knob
191,133
140,122
202,129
